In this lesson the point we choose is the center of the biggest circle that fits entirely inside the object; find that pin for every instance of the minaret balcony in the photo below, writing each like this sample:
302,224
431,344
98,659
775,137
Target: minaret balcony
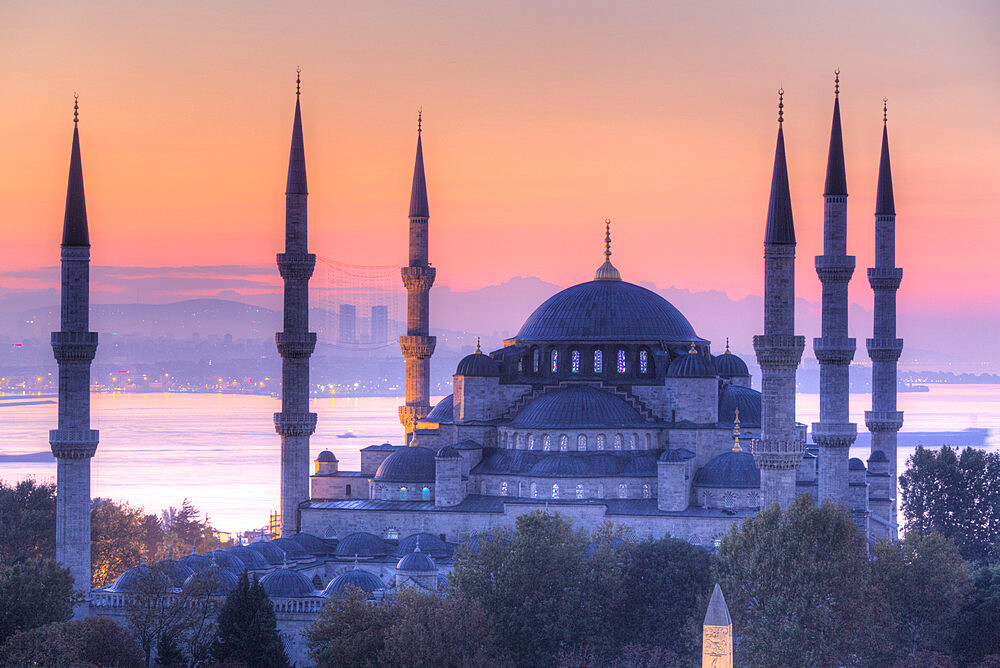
885,278
777,455
295,424
295,345
884,350
834,435
74,346
420,347
296,266
834,268
418,278
73,443
778,350
837,350
884,420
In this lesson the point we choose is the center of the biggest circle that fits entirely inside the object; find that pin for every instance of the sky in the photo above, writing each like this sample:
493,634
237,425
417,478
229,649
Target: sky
541,119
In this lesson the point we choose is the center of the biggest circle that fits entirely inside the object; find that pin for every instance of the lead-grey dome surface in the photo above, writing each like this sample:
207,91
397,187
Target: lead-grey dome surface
478,364
730,469
692,365
577,406
362,544
252,559
314,545
731,366
743,398
606,311
227,561
443,412
286,582
429,544
416,561
413,464
272,553
214,579
358,577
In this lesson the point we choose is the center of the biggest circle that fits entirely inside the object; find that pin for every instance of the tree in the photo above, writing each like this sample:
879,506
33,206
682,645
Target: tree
349,632
27,521
928,584
629,656
87,643
248,629
978,635
154,610
168,653
799,588
117,536
34,592
183,526
957,495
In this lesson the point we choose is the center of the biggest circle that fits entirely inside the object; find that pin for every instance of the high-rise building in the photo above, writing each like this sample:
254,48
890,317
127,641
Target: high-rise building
348,324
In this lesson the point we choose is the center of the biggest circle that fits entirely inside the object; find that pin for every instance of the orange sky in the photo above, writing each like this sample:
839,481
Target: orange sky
541,119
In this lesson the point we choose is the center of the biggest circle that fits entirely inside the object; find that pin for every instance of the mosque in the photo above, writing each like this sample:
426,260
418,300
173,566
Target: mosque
606,405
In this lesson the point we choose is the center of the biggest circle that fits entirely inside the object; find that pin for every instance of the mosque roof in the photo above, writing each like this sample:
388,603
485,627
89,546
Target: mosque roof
692,365
274,554
362,544
673,456
878,456
447,452
413,464
314,545
577,406
730,469
729,365
444,411
132,578
357,577
326,456
291,548
382,447
218,580
468,444
416,561
606,310
855,464
478,364
227,560
195,562
429,544
569,464
286,582
746,400
175,571
252,559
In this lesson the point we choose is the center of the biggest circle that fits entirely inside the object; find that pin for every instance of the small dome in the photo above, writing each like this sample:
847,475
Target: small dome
447,452
274,555
358,577
673,457
731,366
730,469
743,398
478,364
195,562
314,545
291,549
326,456
175,571
227,561
443,412
855,464
216,579
413,464
131,579
416,561
468,444
429,544
286,582
252,559
577,406
362,544
878,457
691,365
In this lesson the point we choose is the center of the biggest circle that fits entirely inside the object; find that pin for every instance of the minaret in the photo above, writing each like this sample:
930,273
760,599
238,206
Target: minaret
883,420
74,346
834,433
717,633
418,276
295,343
778,452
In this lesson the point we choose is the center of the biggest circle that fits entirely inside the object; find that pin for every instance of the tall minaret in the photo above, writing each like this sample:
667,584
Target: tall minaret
295,343
74,346
883,420
418,276
778,452
834,433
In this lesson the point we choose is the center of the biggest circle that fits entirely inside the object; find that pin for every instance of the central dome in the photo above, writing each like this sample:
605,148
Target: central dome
606,310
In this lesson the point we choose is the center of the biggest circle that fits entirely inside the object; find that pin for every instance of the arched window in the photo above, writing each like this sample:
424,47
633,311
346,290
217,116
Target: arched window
645,491
633,442
600,491
619,441
643,361
520,488
622,490
503,488
546,442
581,442
484,487
534,490
579,491
598,361
536,360
555,490
555,361
519,438
563,443
602,441
574,361
503,439
347,490
402,494
425,494
649,442
531,441
621,361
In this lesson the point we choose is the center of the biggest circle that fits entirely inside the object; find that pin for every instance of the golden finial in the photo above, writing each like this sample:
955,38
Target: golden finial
479,351
885,111
607,239
692,350
836,82
298,81
727,346
420,119
781,105
76,108
736,432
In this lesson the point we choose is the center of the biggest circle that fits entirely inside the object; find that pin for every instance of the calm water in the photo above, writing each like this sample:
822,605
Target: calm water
221,451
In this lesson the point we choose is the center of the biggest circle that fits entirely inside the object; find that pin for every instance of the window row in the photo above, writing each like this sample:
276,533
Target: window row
545,442
622,363
565,491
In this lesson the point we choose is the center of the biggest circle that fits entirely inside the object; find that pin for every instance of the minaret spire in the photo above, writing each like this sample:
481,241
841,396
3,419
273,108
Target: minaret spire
834,350
418,277
295,342
607,271
74,442
778,452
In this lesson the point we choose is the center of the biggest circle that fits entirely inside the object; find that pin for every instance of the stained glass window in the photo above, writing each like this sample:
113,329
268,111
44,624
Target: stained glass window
643,361
645,491
581,442
555,490
555,361
546,442
575,362
564,442
598,361
536,360
619,441
534,490
503,488
531,441
425,494
402,494
601,441
621,361
579,491
622,491
633,442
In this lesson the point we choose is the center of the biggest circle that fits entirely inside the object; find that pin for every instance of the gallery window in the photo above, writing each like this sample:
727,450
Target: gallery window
623,490
402,494
621,361
574,361
645,491
555,361
546,442
534,490
425,494
536,360
563,443
619,441
598,362
643,361
555,490
503,488
602,441
581,442
579,491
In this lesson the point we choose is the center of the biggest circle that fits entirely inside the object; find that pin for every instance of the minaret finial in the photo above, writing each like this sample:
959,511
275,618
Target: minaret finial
607,238
420,120
298,81
885,110
76,108
607,271
479,351
781,105
727,346
836,82
736,432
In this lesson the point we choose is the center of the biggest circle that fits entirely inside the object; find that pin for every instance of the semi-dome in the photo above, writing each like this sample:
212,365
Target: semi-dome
252,559
274,555
743,398
286,582
227,560
428,542
692,365
577,406
416,561
606,310
215,579
326,456
729,365
314,545
357,577
730,469
478,364
362,544
413,464
448,452
444,411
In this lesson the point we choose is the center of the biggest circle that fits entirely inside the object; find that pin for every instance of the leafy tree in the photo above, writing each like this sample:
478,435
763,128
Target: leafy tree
27,521
926,658
183,526
799,588
928,584
629,656
979,631
117,535
247,629
956,494
168,653
88,643
349,632
154,610
34,592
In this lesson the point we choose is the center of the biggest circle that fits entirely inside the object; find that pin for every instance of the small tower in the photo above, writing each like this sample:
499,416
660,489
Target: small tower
717,633
295,343
834,433
884,349
418,277
778,453
74,346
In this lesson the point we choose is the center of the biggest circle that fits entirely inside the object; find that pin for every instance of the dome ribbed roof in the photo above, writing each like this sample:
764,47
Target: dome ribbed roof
132,578
286,582
358,577
577,406
227,560
691,365
274,555
252,559
730,469
414,464
429,544
175,571
291,548
416,561
729,365
673,457
362,544
314,545
326,456
195,562
744,398
443,412
478,364
448,452
215,579
606,310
